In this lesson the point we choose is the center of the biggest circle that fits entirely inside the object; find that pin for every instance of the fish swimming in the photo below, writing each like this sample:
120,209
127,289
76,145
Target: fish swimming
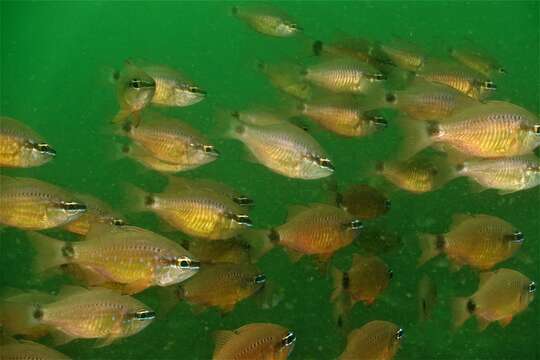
96,212
29,350
374,340
267,20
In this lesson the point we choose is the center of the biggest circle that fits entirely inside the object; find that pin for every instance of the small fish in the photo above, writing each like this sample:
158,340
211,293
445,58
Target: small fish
290,83
477,60
376,241
428,101
399,53
344,76
363,202
256,341
508,175
31,204
267,20
501,295
28,350
486,130
197,208
171,141
455,75
95,313
173,88
138,153
135,90
222,285
375,340
480,241
96,212
367,278
344,119
126,255
283,148
427,297
357,48
21,146
231,251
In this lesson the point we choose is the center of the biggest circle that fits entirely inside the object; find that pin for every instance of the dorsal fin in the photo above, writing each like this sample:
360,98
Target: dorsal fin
484,277
294,210
176,183
458,219
221,337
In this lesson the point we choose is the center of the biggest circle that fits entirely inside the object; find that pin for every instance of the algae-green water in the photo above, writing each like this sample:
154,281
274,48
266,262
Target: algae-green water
56,62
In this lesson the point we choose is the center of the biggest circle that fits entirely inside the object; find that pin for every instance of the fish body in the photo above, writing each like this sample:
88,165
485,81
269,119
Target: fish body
501,295
28,350
285,80
22,147
256,341
35,205
480,241
363,202
477,60
96,212
267,20
376,340
400,54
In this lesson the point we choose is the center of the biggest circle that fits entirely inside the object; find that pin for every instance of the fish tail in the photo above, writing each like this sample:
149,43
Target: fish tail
417,135
121,117
51,252
460,311
21,315
136,199
337,280
260,242
431,246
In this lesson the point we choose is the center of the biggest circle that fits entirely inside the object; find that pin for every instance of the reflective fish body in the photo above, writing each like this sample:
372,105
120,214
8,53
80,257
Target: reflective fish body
145,158
222,285
20,146
28,350
197,209
132,257
480,241
375,340
35,205
171,141
96,212
267,20
501,295
505,174
256,341
363,202
477,60
172,88
401,54
283,148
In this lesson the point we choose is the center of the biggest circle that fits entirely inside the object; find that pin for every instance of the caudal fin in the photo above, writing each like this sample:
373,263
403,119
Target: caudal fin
431,246
417,135
260,242
121,117
21,314
136,199
51,253
460,311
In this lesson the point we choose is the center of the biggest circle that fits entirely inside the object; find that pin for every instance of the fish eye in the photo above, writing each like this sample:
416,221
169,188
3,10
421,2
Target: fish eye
387,204
242,219
532,287
354,225
138,84
72,206
490,85
209,149
501,70
518,237
288,339
536,129
325,163
260,279
45,148
185,263
196,90
117,222
399,334
144,315
390,274
242,200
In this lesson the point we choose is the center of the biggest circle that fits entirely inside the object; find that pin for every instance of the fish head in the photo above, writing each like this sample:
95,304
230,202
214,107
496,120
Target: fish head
532,174
288,28
137,317
203,153
188,94
286,343
531,136
38,152
318,166
66,209
528,289
175,269
137,91
240,220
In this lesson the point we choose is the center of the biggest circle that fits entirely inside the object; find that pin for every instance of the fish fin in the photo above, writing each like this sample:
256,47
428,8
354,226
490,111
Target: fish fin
476,188
428,245
506,192
17,314
482,323
293,210
222,337
106,341
337,280
505,321
70,290
250,157
416,136
342,307
121,117
460,313
198,309
259,241
322,262
484,277
49,252
294,256
177,184
60,338
458,219
137,118
136,286
85,274
136,199
225,309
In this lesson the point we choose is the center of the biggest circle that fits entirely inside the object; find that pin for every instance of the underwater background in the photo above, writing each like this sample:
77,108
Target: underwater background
56,61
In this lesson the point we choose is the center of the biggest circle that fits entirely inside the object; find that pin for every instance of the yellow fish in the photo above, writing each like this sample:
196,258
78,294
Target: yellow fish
35,205
501,295
127,255
28,350
283,79
197,208
256,341
96,212
375,340
21,146
399,53
267,20
478,60
356,48
480,241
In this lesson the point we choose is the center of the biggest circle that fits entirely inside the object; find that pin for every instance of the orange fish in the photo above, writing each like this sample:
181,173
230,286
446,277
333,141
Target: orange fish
480,241
375,340
256,341
501,295
28,350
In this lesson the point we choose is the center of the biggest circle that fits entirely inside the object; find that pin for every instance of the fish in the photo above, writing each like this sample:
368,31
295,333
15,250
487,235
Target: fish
79,313
129,256
31,204
343,117
378,240
197,208
363,201
487,130
282,147
232,251
173,88
344,76
357,48
507,175
97,211
22,147
255,341
476,59
288,82
367,278
399,53
29,350
427,297
144,157
477,240
425,101
459,77
267,20
501,295
171,141
375,340
222,285
135,90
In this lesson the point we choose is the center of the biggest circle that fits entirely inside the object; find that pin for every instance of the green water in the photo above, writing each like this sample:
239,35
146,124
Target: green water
54,63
